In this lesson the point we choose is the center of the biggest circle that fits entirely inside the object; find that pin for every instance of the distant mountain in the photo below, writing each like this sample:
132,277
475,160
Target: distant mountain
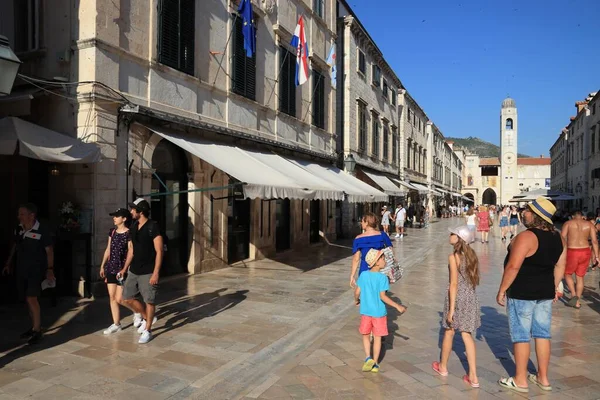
480,147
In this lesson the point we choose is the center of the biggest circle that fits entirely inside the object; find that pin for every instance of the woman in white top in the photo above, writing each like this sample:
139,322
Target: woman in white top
471,221
385,219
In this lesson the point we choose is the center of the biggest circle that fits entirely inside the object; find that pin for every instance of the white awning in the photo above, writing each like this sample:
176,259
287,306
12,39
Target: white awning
422,189
266,175
443,191
405,184
37,142
356,190
386,184
456,194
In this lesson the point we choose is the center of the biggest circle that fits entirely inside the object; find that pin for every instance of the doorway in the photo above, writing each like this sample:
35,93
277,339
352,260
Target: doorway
238,225
170,210
282,225
315,221
489,197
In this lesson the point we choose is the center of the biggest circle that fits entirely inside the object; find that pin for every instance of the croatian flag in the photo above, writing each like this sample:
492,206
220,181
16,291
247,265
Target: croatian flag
299,42
331,62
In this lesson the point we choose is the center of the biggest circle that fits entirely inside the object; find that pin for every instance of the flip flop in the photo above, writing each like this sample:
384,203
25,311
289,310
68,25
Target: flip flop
573,301
533,379
436,367
509,383
468,381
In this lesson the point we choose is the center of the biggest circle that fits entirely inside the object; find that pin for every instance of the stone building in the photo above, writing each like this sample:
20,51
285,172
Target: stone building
576,156
237,161
497,180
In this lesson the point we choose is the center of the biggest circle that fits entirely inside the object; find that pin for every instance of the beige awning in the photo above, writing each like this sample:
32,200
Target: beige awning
37,142
385,183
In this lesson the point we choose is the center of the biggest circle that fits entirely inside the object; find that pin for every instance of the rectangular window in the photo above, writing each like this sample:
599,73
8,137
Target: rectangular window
394,147
287,82
375,139
243,68
319,8
362,63
385,89
408,150
386,140
176,34
594,109
376,76
593,140
393,97
318,101
425,161
362,126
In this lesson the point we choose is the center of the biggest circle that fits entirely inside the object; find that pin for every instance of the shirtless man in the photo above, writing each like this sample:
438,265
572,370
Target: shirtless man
577,232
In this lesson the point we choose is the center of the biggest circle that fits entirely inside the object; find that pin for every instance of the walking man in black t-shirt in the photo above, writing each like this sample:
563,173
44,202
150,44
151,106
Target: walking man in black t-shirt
145,268
34,262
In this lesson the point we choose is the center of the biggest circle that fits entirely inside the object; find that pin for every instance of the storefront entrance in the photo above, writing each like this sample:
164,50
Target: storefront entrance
315,220
238,225
171,210
282,225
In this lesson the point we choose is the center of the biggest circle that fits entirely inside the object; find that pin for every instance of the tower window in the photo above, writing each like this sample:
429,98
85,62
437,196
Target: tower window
509,123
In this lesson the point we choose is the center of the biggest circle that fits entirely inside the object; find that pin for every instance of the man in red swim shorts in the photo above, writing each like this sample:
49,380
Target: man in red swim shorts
578,233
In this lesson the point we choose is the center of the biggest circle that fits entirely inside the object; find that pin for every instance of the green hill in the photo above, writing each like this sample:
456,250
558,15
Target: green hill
478,146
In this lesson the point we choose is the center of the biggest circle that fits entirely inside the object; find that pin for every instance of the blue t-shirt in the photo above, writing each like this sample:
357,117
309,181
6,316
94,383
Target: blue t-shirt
371,284
365,243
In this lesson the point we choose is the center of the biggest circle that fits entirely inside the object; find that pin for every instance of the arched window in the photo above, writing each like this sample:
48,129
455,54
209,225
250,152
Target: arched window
470,180
509,123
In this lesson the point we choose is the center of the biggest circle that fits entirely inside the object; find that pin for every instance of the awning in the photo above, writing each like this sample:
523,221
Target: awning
386,184
37,142
456,194
405,184
465,198
438,189
266,175
356,190
422,189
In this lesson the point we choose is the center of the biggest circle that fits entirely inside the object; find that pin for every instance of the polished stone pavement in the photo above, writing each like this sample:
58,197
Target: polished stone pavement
287,329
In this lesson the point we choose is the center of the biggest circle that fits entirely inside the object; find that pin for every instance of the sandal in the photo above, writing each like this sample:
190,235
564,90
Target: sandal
436,367
509,383
534,379
573,301
468,381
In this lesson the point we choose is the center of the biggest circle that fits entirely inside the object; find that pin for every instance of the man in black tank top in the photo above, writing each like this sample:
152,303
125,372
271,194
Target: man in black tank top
533,268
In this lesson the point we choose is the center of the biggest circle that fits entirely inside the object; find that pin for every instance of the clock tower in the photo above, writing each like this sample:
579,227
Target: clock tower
508,151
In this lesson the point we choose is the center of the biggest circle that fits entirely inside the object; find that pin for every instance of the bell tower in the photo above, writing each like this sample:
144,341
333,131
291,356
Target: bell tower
508,151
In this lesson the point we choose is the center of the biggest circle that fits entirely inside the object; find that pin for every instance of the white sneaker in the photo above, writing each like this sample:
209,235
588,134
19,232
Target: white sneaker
397,236
146,337
112,329
401,236
142,327
137,320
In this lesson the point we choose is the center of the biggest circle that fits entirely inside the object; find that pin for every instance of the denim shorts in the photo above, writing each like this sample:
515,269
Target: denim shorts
529,319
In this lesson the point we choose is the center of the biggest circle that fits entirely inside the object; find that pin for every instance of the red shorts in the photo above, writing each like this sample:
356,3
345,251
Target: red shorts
371,324
578,261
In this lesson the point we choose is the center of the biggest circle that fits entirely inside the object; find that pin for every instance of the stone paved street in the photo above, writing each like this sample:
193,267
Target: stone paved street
287,329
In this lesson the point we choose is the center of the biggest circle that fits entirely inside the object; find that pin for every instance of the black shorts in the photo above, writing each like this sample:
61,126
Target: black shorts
112,278
29,286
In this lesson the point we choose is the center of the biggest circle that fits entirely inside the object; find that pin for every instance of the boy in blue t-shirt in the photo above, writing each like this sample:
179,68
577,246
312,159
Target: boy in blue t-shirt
370,294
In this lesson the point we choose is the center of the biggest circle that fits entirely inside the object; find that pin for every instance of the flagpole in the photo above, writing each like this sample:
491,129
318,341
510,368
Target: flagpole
225,50
278,75
313,96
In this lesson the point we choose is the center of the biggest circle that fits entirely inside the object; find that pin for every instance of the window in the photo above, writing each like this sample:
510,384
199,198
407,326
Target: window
414,120
243,68
408,117
376,76
594,109
470,180
362,63
287,82
385,89
593,140
408,150
386,140
394,146
318,101
362,126
425,161
420,125
176,34
509,123
375,139
319,7
393,97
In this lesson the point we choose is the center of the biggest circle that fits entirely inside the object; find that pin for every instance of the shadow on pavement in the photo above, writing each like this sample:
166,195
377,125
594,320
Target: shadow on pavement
82,318
392,317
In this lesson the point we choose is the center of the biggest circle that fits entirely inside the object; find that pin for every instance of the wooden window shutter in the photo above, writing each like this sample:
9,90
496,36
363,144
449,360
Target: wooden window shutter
287,82
318,101
176,34
243,68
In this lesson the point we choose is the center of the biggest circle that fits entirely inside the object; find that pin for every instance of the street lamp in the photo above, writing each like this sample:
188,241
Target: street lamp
9,66
350,163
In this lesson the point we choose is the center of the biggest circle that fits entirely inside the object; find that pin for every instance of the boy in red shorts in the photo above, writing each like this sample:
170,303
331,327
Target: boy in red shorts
370,294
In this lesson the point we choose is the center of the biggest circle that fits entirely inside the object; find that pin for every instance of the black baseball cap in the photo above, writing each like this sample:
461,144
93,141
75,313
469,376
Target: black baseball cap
121,212
140,205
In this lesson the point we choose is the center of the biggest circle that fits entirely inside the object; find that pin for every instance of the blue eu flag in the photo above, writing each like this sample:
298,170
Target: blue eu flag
248,30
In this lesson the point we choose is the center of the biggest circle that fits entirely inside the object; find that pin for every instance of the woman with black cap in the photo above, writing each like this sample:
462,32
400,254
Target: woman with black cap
116,260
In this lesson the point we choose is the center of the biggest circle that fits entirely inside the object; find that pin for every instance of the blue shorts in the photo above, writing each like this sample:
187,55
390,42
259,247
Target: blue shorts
529,319
503,222
514,221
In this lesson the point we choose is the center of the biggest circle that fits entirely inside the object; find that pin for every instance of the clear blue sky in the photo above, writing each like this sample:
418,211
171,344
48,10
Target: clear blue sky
460,59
